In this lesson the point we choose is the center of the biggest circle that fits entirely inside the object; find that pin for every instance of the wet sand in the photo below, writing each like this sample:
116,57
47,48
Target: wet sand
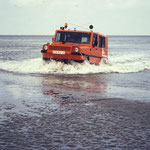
102,124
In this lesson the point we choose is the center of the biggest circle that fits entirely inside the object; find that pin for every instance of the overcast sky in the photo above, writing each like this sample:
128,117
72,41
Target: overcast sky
111,17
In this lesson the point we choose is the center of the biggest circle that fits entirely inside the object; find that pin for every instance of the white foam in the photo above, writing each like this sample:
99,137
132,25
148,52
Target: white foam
124,63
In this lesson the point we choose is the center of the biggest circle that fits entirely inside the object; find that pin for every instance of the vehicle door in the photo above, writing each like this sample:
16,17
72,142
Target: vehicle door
100,45
95,45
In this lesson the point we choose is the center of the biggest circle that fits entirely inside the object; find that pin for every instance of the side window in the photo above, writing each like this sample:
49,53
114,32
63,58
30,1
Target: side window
103,42
57,37
94,40
100,41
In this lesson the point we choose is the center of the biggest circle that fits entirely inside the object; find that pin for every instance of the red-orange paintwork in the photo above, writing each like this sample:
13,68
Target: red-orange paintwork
93,54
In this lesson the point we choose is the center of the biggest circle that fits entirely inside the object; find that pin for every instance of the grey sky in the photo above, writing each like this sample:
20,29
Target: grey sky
113,17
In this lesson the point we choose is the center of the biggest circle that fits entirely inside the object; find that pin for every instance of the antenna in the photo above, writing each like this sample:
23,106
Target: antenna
80,26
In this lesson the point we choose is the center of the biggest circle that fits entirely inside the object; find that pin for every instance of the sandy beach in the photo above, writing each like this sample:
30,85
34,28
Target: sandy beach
95,124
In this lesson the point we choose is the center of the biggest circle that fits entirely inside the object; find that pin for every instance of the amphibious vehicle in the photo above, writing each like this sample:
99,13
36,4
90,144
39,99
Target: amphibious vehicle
74,45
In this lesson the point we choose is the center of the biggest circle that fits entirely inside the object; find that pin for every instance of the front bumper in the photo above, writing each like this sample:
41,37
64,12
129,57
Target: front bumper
67,56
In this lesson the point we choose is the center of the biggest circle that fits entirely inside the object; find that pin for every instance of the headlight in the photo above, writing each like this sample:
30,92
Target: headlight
45,47
76,49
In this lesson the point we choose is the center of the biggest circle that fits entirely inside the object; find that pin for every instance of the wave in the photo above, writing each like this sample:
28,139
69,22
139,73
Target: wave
116,64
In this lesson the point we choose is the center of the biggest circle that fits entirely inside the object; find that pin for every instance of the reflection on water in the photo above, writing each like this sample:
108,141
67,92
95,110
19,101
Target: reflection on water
64,87
38,94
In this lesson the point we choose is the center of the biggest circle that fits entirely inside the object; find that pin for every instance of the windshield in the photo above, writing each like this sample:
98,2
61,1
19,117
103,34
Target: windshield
73,37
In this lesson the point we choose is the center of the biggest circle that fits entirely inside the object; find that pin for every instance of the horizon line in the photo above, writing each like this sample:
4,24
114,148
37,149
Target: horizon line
53,35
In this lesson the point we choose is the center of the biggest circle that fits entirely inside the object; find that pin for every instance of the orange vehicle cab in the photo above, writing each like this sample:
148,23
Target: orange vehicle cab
68,45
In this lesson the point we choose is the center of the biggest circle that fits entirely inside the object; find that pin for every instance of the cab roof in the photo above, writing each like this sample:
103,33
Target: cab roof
81,32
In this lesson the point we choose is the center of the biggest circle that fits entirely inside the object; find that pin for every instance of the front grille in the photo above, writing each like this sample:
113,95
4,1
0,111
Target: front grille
60,48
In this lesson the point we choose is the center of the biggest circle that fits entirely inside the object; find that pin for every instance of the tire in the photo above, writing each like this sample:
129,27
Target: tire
46,59
79,61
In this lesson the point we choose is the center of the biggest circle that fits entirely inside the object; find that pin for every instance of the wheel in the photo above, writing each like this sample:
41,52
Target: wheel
79,61
46,59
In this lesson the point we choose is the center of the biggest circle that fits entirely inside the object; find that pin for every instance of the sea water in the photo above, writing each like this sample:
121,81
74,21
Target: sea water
126,70
127,54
